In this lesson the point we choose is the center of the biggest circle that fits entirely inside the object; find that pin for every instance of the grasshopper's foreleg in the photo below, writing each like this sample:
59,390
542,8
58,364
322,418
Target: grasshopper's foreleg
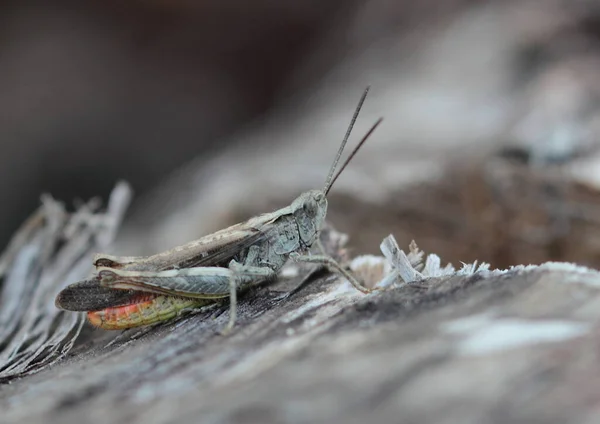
242,276
332,264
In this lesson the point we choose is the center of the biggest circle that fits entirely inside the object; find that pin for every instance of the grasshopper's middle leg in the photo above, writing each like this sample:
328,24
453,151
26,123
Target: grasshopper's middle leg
243,275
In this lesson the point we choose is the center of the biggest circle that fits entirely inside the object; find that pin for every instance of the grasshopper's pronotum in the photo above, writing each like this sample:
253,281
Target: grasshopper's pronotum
127,292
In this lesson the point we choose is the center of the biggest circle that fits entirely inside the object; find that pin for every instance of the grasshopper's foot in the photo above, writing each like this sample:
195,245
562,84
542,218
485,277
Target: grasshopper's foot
226,331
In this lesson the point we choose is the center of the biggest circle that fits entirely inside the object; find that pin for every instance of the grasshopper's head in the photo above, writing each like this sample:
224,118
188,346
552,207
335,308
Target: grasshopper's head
310,207
309,210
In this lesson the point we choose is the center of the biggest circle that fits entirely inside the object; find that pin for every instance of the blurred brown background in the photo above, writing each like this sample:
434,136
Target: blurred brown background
249,101
93,91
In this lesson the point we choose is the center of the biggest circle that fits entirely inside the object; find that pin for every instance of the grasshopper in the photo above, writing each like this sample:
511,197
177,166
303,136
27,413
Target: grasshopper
128,291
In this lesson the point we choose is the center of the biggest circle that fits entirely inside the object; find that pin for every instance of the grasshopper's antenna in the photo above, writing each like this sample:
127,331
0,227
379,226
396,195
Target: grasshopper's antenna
358,146
330,179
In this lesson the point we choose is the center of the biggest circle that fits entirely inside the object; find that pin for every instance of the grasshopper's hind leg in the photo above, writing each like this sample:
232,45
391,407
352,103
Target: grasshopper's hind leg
243,275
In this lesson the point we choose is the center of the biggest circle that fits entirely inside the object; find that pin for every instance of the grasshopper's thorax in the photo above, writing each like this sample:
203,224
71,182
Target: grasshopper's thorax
309,211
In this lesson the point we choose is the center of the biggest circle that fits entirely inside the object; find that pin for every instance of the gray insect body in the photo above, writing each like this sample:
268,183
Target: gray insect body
212,267
273,237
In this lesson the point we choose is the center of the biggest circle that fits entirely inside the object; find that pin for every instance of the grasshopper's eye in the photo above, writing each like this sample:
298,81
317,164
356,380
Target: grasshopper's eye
310,208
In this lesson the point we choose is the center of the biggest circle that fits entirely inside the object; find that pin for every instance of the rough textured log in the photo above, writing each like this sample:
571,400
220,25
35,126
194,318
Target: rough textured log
491,347
475,346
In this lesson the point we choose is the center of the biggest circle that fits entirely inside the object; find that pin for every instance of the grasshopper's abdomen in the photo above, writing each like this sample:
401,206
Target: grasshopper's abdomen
146,309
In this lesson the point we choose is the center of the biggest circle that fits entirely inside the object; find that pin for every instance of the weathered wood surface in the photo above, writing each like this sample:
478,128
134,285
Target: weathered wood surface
52,247
520,346
492,347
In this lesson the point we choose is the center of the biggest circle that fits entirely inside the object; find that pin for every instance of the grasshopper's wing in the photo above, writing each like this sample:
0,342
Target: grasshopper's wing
226,248
197,269
89,295
216,249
